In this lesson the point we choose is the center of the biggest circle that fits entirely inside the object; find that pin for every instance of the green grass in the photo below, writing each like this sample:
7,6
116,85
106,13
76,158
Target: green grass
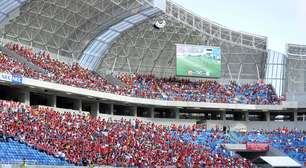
196,64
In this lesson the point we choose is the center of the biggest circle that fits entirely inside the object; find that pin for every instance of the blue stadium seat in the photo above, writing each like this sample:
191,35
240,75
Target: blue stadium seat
15,152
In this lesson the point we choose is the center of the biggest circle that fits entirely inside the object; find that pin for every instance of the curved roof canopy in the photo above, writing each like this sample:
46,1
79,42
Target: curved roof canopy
95,52
67,26
7,7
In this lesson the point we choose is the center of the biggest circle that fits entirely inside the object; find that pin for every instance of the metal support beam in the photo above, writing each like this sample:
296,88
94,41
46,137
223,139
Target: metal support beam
128,62
114,64
258,73
240,70
229,71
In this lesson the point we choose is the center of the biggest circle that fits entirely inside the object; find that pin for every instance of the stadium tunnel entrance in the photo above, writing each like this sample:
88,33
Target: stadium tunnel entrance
12,93
106,108
144,111
125,110
37,99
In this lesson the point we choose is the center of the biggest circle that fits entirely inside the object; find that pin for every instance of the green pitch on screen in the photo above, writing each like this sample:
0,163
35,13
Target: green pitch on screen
199,65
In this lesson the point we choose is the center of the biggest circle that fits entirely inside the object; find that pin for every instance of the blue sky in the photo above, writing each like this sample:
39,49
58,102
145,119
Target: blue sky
282,21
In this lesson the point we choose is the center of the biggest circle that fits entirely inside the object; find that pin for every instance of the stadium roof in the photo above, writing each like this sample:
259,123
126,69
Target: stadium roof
66,27
296,49
280,161
6,8
73,19
92,31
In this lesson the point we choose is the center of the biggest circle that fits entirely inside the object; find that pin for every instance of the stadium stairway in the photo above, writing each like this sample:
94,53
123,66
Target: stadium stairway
113,80
234,137
21,59
13,152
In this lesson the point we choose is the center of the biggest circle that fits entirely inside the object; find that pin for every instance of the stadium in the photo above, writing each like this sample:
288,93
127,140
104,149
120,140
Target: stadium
144,83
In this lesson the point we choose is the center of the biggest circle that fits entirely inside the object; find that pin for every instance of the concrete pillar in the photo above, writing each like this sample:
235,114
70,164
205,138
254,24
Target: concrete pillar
98,107
246,116
295,116
53,100
177,113
111,109
223,116
94,107
26,99
134,110
78,105
151,112
268,116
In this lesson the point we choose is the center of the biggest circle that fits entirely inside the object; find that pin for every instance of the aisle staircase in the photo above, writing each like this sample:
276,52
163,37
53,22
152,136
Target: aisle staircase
21,59
113,80
234,137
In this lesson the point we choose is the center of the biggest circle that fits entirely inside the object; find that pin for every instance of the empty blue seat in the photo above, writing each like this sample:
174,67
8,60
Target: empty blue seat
15,152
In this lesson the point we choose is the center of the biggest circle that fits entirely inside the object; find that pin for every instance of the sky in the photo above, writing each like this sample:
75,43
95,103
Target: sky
282,21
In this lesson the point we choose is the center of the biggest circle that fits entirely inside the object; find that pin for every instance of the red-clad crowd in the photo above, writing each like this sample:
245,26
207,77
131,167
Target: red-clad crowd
62,73
108,142
145,86
11,66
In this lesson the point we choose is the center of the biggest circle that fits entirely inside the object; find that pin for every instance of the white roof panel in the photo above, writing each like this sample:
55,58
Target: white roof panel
280,161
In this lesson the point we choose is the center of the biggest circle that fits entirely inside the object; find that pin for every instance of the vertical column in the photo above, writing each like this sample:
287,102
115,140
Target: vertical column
77,105
53,100
26,99
223,116
111,109
246,114
134,109
98,107
80,105
177,113
95,108
295,115
268,116
152,112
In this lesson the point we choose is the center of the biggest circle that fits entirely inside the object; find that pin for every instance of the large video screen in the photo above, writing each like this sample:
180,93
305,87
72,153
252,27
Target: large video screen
198,61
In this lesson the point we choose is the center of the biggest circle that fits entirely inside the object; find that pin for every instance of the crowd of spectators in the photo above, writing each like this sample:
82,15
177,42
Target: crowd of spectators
292,142
75,137
60,72
141,85
145,86
204,90
11,66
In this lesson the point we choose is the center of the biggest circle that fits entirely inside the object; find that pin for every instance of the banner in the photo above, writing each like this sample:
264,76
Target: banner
257,147
15,79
